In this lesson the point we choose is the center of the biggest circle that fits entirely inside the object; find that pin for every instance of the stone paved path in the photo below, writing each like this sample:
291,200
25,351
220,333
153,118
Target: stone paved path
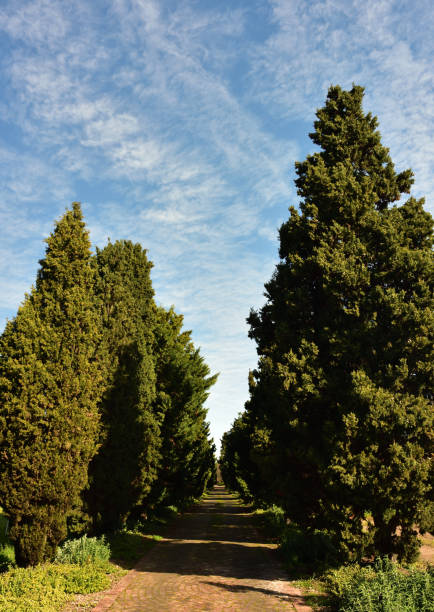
212,559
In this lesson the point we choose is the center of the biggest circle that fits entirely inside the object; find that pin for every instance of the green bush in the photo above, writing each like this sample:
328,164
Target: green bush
156,519
273,520
84,550
86,578
35,588
307,549
7,557
302,550
7,553
340,581
384,587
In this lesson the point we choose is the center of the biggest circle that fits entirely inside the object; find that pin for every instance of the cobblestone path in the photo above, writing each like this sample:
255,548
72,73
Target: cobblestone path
212,559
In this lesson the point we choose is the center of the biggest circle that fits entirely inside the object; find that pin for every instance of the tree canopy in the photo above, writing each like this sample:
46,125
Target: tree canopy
101,394
341,400
50,386
126,465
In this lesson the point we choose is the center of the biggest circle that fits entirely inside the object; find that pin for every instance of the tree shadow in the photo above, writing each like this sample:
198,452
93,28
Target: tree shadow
221,527
243,588
128,548
213,558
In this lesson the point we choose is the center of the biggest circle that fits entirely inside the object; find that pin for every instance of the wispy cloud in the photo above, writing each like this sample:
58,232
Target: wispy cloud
378,44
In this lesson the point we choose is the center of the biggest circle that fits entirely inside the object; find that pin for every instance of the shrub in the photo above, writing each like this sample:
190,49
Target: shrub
303,549
86,578
273,520
7,557
7,554
84,550
384,587
47,587
36,588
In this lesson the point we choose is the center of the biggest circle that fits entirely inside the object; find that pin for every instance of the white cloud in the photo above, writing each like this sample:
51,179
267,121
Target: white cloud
38,23
374,44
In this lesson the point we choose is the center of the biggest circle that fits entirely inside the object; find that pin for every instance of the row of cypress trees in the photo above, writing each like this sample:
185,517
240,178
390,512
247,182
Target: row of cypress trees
338,429
101,397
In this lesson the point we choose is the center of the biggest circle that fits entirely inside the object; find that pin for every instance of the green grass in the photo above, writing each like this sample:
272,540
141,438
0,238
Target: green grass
82,566
382,587
314,592
271,520
7,557
157,521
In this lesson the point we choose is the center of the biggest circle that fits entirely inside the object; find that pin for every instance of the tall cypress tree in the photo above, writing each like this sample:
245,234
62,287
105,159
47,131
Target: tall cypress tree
246,459
50,385
235,459
345,378
126,466
183,382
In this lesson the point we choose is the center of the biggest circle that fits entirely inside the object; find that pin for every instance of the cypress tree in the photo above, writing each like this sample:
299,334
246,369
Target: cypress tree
235,459
247,455
126,466
50,384
183,382
344,382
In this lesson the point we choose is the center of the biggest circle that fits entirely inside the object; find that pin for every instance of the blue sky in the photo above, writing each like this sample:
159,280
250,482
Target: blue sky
177,125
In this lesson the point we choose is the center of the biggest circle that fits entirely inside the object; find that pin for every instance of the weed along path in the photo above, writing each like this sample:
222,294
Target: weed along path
211,559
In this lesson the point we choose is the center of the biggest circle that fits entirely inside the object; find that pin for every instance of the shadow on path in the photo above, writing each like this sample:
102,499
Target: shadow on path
240,588
213,559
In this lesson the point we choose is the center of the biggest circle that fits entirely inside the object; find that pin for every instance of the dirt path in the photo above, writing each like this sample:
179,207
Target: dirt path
212,559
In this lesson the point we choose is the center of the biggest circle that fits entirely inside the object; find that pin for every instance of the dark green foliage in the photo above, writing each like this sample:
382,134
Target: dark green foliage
7,553
302,552
248,454
50,385
126,466
237,469
306,551
183,381
213,469
344,386
127,547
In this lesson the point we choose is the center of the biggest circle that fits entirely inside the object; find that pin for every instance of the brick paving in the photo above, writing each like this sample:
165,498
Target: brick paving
212,559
